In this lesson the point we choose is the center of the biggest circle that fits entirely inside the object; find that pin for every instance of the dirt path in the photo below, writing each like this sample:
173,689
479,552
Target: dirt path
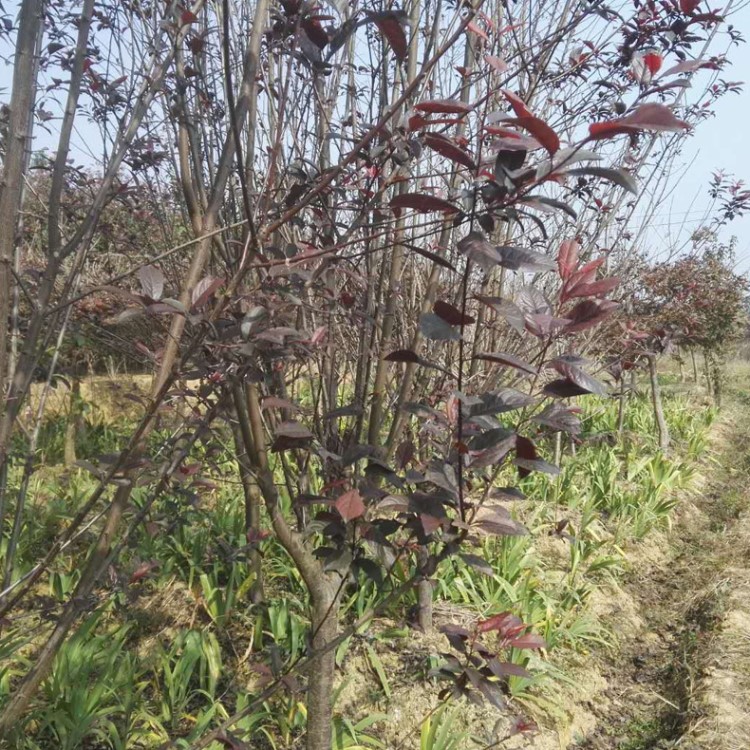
683,679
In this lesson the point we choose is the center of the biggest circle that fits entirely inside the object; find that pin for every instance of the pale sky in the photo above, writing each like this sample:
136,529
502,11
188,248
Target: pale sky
720,143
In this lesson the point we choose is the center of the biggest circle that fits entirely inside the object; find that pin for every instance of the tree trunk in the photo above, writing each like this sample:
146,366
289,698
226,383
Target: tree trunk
14,164
621,407
424,595
661,422
75,422
717,386
695,366
321,674
251,492
707,369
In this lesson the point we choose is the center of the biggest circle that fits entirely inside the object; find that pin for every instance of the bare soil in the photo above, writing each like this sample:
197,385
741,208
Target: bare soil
682,679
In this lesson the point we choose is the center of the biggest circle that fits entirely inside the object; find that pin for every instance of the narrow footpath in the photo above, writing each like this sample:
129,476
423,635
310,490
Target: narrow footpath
683,680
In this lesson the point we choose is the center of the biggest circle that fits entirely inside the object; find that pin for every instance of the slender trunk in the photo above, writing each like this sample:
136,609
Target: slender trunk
707,371
75,422
695,366
717,386
31,27
424,595
661,422
621,407
324,588
393,291
249,488
321,674
392,296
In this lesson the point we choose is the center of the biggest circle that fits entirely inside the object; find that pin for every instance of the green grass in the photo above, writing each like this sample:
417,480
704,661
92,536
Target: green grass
174,653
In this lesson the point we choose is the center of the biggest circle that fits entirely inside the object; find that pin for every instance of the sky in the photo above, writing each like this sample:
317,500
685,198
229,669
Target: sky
718,144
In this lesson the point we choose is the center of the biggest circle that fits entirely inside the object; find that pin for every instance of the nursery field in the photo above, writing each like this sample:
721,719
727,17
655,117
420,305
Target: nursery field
373,375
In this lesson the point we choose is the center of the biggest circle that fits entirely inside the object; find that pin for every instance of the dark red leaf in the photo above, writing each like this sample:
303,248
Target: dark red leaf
290,435
529,641
451,314
434,327
142,571
509,361
350,505
558,417
507,669
689,6
533,302
430,524
594,288
588,313
500,527
509,311
496,63
545,325
521,259
204,289
152,282
478,563
686,66
568,368
315,31
449,150
584,275
422,203
390,26
496,452
526,466
651,116
511,139
405,453
567,258
563,388
196,44
541,131
444,106
476,247
526,451
471,26
498,622
402,355
519,106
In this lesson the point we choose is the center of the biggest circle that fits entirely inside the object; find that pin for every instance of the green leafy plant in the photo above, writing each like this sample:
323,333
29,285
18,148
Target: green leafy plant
439,730
185,677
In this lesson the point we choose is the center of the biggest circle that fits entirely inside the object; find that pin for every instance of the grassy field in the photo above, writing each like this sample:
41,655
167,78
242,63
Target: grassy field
172,643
